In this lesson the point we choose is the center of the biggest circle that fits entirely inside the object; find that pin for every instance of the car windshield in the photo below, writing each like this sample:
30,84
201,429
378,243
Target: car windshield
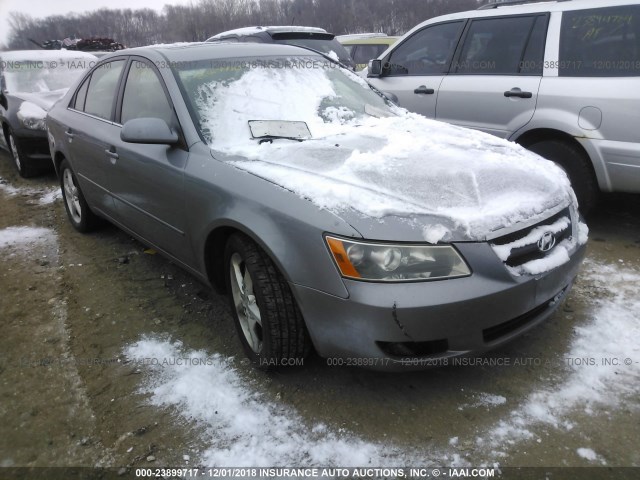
225,96
33,76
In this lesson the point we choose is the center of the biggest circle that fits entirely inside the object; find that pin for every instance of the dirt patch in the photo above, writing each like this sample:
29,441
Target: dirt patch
71,303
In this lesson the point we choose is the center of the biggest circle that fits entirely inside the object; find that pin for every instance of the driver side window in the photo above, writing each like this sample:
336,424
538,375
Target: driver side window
427,52
144,96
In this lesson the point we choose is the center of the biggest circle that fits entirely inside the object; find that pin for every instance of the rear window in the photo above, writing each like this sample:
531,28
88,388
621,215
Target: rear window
601,42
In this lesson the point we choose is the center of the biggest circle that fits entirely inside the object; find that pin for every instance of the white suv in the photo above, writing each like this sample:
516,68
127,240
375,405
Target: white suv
561,78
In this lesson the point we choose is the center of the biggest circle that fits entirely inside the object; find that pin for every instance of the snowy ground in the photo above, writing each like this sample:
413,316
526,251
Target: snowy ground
208,389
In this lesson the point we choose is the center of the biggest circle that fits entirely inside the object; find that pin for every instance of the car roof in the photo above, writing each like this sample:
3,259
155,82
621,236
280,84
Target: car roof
44,55
270,30
193,52
519,9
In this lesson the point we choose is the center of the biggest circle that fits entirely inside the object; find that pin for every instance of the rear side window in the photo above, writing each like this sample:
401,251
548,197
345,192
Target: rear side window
496,46
427,52
144,96
81,96
600,42
102,89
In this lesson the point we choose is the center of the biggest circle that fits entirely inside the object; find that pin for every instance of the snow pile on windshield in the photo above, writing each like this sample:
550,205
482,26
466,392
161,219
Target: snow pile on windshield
35,71
403,165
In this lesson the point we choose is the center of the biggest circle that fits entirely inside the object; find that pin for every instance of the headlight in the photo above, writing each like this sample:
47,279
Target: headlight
32,116
396,262
34,123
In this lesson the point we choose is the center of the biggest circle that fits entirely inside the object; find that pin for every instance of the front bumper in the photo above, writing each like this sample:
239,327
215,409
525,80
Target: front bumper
389,326
34,146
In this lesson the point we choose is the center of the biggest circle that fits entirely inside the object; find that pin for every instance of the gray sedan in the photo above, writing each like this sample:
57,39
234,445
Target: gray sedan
334,219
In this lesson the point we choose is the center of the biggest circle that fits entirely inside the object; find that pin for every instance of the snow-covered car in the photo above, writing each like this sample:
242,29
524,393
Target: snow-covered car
317,39
333,218
31,81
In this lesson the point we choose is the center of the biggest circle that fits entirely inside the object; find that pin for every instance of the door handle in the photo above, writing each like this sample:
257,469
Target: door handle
112,154
516,92
425,90
69,133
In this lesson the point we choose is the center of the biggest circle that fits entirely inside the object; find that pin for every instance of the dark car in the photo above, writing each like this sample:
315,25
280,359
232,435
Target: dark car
31,82
317,39
334,219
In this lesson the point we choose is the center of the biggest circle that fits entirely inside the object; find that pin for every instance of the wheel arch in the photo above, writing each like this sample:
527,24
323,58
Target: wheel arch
530,137
58,158
214,248
5,131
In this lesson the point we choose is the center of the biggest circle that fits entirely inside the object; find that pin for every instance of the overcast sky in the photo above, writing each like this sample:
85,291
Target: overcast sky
43,8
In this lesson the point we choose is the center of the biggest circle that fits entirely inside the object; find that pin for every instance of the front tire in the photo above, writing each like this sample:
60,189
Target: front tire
576,165
78,211
267,318
25,169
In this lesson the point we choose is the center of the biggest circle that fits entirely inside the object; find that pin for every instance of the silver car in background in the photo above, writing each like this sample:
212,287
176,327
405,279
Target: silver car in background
334,219
560,78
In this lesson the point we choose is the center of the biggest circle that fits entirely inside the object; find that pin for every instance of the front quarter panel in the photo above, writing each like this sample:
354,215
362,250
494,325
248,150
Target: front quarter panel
289,228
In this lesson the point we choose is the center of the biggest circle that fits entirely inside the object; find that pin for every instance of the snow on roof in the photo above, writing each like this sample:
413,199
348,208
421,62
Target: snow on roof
269,29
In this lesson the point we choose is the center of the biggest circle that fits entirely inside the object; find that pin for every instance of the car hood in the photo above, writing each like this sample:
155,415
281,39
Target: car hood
44,100
413,179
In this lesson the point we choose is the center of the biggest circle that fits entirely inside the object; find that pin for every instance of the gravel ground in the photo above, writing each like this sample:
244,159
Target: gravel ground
80,312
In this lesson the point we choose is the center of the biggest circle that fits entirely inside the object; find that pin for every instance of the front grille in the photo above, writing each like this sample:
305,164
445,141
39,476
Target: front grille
520,247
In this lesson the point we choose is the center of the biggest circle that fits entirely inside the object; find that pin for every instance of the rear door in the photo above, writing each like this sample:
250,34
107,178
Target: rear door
89,130
414,70
494,80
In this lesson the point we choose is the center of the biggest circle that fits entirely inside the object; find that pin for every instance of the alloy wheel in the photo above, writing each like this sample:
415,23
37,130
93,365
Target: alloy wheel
244,300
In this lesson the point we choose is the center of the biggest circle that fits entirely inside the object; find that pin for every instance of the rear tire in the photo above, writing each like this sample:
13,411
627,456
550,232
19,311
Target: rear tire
267,318
78,211
22,164
577,166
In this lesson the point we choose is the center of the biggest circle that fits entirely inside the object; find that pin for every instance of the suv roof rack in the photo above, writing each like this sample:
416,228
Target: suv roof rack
505,3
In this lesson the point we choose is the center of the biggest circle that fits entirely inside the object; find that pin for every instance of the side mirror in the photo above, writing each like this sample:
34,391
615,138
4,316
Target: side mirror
375,68
148,130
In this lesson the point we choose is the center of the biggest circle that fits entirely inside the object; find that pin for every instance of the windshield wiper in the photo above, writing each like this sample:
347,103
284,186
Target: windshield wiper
271,138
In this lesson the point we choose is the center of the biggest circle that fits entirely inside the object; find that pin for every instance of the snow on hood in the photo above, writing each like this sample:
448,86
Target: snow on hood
29,110
443,177
42,100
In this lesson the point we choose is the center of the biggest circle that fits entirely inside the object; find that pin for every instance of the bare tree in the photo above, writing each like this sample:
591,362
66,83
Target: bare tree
203,18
